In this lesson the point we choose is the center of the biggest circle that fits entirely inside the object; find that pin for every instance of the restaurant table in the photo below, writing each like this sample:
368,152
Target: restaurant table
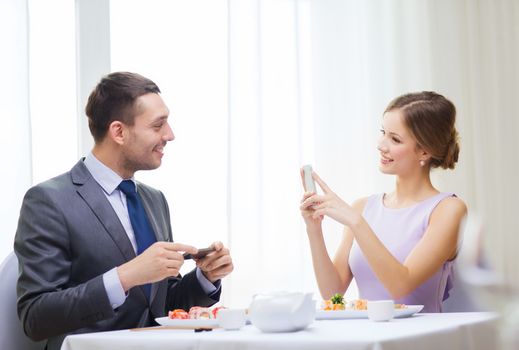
447,331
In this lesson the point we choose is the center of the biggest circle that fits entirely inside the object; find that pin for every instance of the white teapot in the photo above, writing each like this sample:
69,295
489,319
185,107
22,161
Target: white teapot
282,311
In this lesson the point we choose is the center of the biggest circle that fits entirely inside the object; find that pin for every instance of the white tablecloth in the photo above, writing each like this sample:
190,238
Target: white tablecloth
422,331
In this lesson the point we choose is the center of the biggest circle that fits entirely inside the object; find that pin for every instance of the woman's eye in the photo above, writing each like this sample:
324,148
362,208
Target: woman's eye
382,131
396,140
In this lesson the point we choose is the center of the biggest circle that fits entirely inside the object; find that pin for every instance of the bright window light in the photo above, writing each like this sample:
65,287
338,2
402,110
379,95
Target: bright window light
52,74
182,46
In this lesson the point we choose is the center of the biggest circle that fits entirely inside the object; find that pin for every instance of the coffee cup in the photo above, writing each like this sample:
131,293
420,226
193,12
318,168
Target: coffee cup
232,319
381,310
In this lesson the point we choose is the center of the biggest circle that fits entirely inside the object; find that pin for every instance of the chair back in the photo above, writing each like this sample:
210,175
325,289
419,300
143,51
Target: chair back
460,297
12,336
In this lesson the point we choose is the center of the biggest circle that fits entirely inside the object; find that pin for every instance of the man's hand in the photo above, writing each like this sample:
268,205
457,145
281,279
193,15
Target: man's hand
161,260
217,264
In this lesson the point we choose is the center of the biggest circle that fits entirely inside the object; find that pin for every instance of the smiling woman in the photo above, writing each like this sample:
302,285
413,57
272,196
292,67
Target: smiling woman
398,245
421,125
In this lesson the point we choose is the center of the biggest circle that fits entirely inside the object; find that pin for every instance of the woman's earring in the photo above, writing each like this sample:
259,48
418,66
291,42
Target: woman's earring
422,162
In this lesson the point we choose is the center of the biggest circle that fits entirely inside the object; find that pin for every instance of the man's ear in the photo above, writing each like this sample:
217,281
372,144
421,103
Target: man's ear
117,132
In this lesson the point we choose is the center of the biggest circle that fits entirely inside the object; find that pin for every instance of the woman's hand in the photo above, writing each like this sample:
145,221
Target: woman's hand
307,211
329,204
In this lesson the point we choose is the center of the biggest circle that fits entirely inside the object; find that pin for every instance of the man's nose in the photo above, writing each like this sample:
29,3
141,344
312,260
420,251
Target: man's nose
169,135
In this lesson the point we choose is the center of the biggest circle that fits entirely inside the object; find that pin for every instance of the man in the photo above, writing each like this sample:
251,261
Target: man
96,252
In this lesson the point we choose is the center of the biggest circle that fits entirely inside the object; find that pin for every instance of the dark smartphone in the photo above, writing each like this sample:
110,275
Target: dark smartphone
201,253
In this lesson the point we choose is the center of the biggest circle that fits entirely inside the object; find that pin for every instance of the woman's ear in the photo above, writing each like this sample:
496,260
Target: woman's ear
425,156
117,132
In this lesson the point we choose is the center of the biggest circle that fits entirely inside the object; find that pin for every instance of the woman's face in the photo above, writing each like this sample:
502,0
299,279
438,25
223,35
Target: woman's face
399,151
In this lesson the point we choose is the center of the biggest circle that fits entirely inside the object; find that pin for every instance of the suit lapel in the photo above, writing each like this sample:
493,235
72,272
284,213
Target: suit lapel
93,195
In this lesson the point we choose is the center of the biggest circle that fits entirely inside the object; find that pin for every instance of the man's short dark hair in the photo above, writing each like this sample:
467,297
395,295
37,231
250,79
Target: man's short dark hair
114,99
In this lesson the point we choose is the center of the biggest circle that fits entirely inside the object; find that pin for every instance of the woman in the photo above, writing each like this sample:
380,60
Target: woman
398,245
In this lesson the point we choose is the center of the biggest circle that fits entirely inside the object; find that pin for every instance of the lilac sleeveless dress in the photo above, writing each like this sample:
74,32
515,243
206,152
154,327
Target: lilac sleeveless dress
400,230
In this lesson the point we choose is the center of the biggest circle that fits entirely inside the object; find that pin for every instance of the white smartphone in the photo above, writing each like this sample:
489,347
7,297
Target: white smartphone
309,180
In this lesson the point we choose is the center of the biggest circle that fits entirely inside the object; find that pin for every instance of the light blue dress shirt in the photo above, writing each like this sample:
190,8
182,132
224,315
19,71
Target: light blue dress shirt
109,180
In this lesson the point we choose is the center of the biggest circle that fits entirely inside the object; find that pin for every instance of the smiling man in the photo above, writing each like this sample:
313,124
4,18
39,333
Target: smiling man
95,246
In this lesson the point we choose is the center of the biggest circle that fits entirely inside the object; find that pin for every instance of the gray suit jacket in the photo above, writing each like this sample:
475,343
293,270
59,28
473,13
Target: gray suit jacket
68,236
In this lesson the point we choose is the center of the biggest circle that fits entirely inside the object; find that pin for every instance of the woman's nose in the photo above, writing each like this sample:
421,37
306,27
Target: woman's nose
381,146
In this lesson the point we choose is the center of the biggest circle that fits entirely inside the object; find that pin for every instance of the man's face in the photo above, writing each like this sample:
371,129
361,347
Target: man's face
146,138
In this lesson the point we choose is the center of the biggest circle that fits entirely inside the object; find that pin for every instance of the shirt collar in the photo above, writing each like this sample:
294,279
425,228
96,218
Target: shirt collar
105,177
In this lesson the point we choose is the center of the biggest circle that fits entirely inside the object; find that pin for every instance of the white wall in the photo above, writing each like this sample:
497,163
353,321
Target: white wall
15,134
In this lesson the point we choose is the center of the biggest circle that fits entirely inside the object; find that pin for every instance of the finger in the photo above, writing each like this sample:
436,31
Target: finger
222,271
321,183
307,195
216,263
306,205
171,255
210,259
319,206
213,255
308,202
174,263
217,246
311,201
301,171
220,274
206,260
162,249
179,247
221,266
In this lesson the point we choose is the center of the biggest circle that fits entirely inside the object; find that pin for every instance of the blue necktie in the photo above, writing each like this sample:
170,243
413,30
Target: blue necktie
141,226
